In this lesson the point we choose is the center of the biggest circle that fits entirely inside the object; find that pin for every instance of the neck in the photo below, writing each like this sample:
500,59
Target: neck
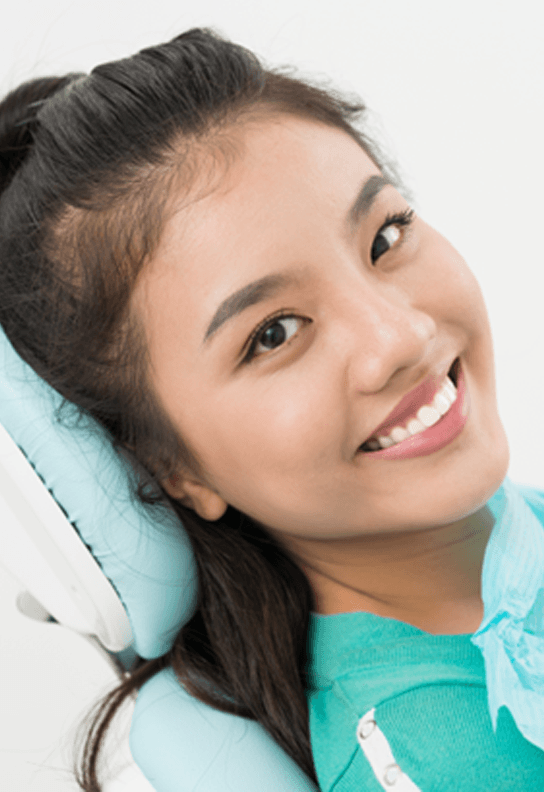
429,578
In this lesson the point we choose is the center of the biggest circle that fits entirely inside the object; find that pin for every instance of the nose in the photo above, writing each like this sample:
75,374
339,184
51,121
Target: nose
387,333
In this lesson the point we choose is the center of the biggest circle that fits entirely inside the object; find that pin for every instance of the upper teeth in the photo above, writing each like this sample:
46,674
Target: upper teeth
426,416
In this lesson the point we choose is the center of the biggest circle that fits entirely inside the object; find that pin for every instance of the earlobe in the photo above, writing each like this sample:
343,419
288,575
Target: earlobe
199,497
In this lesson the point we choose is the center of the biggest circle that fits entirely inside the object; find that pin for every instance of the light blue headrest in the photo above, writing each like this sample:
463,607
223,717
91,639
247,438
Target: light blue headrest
143,551
181,744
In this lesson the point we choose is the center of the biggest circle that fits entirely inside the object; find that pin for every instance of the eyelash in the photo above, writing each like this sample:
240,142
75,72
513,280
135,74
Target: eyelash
404,219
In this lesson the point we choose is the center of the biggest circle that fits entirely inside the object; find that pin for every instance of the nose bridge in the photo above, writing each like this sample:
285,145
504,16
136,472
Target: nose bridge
386,332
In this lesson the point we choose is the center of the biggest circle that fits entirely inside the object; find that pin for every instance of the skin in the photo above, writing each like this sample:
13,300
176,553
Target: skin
278,437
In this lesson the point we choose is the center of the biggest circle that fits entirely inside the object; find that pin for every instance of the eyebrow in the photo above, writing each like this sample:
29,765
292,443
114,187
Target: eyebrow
366,197
254,292
270,285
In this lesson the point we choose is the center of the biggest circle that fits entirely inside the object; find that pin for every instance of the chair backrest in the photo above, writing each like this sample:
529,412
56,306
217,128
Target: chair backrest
102,564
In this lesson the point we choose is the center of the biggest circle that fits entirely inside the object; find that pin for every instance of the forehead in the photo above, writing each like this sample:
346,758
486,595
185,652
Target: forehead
258,172
257,203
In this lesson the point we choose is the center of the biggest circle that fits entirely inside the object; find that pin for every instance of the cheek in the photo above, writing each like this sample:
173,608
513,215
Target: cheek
272,432
468,303
450,286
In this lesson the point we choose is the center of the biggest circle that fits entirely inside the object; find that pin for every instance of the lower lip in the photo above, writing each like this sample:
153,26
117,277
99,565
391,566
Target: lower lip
435,437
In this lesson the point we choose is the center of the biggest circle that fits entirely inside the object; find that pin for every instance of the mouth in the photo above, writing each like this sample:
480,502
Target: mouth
453,373
418,412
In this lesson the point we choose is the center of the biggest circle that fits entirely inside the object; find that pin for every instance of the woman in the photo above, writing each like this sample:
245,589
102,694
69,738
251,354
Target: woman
215,262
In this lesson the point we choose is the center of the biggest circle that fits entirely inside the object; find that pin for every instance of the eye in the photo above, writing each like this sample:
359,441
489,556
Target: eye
273,334
390,233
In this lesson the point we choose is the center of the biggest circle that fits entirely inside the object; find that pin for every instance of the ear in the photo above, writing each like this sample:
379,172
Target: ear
198,497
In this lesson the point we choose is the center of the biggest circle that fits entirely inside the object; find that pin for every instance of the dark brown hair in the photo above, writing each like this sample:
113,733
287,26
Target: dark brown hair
87,163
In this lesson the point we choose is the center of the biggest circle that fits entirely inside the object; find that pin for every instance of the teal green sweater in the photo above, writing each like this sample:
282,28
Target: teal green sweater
429,692
425,695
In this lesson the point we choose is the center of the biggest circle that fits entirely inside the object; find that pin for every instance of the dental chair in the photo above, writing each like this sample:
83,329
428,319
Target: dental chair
98,562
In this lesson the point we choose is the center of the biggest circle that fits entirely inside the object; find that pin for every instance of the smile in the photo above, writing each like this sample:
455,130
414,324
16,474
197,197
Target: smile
430,428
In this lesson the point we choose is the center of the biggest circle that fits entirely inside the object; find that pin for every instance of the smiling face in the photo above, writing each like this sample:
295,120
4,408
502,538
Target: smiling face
352,317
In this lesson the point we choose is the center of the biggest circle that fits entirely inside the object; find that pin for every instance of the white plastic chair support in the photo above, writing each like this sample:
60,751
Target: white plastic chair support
44,552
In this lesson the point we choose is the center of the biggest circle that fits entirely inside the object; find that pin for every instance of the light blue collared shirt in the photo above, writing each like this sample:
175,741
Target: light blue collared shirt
511,635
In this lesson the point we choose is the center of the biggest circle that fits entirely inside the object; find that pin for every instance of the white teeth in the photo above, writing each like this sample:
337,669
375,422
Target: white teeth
414,426
398,434
385,442
426,416
450,388
441,403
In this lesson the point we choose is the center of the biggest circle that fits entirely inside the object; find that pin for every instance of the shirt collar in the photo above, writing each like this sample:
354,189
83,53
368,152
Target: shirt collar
511,635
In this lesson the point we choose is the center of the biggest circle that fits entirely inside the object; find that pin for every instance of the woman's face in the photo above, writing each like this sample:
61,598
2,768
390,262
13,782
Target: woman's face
277,419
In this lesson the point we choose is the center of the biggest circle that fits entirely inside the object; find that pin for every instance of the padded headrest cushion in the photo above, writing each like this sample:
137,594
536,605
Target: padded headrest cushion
143,550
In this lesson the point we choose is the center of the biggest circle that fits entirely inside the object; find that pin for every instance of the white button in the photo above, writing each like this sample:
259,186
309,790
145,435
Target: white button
392,774
366,729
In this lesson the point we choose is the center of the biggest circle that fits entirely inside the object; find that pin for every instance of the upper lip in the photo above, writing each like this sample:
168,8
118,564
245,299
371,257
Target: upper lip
408,406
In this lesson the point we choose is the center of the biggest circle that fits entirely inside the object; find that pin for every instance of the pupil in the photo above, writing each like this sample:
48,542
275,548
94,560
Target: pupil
380,246
274,335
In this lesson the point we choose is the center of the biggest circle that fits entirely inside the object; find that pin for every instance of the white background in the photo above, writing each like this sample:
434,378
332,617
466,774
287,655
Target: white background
457,94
